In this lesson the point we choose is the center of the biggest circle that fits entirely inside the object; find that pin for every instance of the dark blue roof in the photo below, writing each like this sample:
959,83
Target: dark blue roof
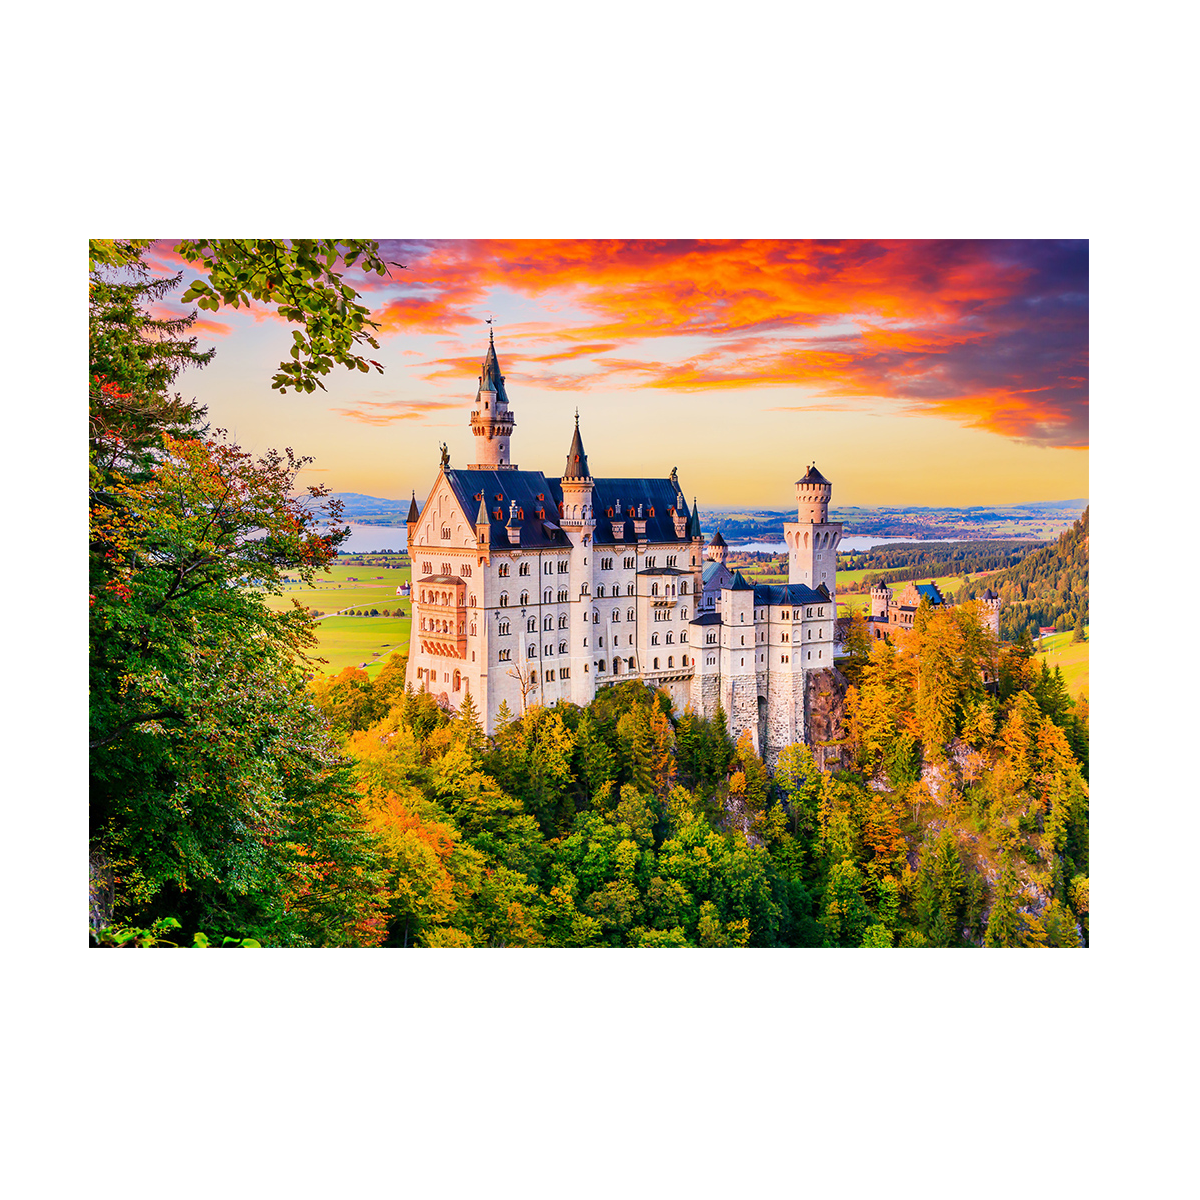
523,487
930,591
772,594
627,494
708,618
740,583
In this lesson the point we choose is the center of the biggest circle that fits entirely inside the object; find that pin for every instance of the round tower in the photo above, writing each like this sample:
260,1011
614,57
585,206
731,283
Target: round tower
813,493
716,548
812,540
491,422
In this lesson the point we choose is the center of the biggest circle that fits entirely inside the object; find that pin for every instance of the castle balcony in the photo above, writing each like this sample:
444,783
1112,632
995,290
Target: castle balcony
668,675
444,645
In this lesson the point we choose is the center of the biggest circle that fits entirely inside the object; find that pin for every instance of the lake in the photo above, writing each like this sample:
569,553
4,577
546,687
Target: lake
372,539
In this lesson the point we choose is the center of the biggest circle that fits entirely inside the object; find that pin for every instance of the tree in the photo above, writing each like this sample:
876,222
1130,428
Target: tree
303,279
858,637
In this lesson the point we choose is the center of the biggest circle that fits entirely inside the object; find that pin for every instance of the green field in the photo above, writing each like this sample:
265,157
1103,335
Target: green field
1071,658
348,641
849,602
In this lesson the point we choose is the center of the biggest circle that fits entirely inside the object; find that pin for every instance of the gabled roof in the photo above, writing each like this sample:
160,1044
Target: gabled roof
931,593
740,583
625,495
414,513
712,569
521,488
989,595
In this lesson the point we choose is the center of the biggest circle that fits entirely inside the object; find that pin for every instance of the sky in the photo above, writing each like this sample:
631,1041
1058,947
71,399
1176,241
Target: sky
911,372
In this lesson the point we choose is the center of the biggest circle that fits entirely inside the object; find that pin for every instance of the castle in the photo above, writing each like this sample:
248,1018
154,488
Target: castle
890,613
529,589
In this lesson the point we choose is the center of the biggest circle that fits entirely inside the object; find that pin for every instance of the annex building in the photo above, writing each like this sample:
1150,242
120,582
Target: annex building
529,588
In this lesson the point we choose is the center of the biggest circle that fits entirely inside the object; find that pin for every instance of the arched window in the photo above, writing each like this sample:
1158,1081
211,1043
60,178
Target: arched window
654,639
630,662
503,628
616,614
523,569
562,595
654,589
531,652
683,635
629,616
685,661
670,661
562,647
562,621
524,598
471,601
533,677
457,681
600,666
531,625
629,589
502,570
600,590
683,588
670,637
503,599
548,596
548,623
616,666
656,664
683,614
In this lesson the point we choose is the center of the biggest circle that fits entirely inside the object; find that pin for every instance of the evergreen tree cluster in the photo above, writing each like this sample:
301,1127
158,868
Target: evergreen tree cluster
903,561
1047,587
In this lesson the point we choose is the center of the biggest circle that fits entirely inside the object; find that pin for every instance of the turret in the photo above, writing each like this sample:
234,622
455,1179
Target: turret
813,493
881,596
491,422
989,602
483,522
414,515
716,548
577,485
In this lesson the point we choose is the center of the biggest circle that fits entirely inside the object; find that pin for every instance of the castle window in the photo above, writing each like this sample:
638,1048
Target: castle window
445,531
600,591
683,614
616,614
548,596
547,568
562,647
533,677
651,561
473,629
524,597
471,602
549,676
503,570
670,660
685,662
629,589
656,664
616,666
585,668
503,628
820,612
531,652
629,564
710,639
670,637
548,649
600,665
531,625
427,568
670,560
562,621
629,616
683,635
606,564
629,663
505,656
563,566
503,599
654,589
654,639
523,569
548,623
565,673
683,591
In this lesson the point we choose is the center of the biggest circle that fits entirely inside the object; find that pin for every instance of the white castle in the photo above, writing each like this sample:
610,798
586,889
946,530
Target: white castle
530,590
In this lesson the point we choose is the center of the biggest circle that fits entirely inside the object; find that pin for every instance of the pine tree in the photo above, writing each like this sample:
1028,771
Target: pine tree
1004,921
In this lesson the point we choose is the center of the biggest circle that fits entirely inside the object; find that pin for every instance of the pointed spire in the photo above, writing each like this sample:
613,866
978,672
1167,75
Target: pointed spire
482,518
490,378
414,513
577,463
693,529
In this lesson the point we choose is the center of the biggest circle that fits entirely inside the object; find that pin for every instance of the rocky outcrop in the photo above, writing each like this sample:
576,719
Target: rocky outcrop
825,718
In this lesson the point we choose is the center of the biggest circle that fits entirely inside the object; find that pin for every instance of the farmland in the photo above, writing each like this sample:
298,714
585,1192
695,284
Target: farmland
359,584
1072,658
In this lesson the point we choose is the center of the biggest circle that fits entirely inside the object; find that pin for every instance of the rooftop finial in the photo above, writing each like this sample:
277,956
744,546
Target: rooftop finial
577,416
488,323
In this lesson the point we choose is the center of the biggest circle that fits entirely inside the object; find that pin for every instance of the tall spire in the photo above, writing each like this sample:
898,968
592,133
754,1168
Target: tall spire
414,513
577,463
491,421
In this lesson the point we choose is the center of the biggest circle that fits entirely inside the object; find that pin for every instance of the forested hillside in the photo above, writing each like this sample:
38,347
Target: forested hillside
1049,587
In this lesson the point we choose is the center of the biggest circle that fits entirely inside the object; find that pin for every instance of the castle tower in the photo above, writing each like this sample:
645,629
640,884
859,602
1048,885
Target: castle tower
716,548
491,421
881,597
579,523
812,541
989,604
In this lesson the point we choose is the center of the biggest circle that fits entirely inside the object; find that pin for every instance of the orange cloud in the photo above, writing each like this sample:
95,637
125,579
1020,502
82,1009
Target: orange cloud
385,412
989,334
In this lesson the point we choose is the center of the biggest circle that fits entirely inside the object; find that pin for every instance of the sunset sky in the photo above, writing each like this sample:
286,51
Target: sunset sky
941,373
